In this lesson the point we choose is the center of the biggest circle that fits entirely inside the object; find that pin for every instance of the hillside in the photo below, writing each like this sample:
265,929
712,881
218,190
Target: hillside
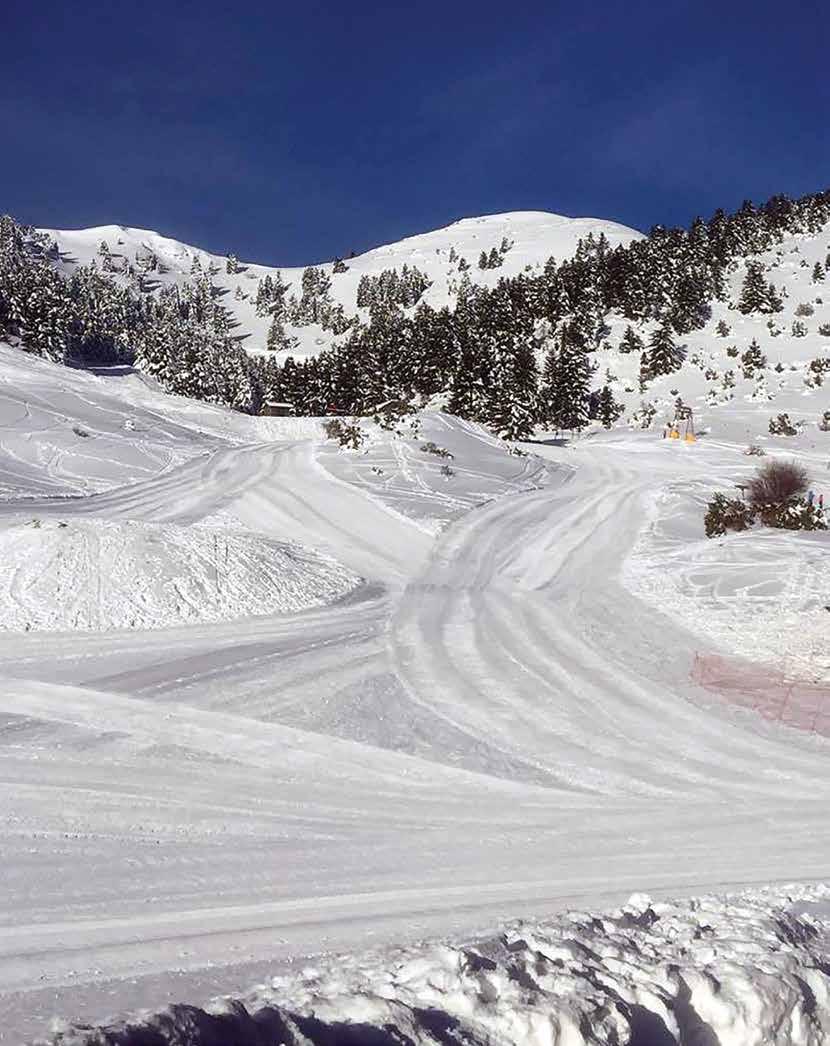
534,236
611,330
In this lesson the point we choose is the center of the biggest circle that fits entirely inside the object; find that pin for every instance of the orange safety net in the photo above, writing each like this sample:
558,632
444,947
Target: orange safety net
771,692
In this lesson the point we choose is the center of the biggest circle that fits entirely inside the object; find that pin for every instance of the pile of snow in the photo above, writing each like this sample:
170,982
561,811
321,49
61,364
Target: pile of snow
534,235
745,970
94,574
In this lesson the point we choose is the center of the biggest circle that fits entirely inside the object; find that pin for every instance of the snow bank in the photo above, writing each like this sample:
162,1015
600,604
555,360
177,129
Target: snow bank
96,574
746,970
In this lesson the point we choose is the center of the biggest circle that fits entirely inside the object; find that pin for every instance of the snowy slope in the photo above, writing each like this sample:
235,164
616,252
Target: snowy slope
536,235
712,379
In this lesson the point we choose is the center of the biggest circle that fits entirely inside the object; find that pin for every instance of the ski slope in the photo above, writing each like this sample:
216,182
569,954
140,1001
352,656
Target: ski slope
497,722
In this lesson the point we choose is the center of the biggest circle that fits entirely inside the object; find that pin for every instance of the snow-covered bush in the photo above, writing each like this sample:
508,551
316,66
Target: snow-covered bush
347,434
781,425
795,514
724,513
433,448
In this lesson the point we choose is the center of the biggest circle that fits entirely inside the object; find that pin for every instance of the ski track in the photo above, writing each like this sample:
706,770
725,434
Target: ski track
492,724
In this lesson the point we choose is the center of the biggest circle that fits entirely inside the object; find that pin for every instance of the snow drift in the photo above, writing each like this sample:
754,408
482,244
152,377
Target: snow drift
94,574
746,970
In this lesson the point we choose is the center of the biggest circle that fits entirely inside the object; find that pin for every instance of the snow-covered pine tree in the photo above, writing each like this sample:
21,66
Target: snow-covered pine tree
278,340
631,341
566,382
513,410
608,410
756,294
663,356
753,359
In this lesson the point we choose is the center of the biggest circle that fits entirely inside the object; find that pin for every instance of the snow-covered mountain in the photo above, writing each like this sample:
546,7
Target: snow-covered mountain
534,236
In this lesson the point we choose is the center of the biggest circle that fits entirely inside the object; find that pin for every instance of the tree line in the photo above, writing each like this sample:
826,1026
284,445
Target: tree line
483,352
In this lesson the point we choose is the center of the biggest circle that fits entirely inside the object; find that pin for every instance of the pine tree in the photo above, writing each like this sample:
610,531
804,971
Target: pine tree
566,381
278,340
514,409
818,273
774,301
753,359
662,355
608,410
755,290
756,294
631,341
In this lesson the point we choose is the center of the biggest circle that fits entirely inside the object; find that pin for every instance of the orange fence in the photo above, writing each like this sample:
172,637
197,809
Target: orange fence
773,693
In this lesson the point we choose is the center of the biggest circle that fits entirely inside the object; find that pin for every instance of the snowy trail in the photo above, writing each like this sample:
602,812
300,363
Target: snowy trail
491,725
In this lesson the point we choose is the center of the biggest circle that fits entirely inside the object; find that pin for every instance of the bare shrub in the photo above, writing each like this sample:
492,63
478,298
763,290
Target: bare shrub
754,451
777,482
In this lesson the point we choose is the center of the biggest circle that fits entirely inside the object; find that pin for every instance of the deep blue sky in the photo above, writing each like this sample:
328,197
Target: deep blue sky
293,132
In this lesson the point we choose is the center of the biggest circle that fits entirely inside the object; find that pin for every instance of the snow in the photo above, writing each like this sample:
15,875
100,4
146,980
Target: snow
536,236
742,970
95,574
740,411
504,720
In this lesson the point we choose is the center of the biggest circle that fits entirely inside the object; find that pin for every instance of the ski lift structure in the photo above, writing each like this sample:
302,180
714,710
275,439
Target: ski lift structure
683,424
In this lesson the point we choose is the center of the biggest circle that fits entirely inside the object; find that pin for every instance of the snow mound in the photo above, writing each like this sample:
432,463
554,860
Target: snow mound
746,970
96,574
